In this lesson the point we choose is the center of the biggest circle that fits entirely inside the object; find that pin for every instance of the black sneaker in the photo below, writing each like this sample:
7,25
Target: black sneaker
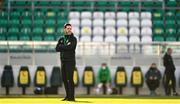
65,99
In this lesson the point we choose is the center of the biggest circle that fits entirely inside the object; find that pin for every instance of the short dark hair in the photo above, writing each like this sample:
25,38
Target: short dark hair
67,24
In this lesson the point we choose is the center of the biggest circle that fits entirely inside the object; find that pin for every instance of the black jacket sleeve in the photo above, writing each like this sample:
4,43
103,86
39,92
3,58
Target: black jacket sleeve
60,42
70,46
165,60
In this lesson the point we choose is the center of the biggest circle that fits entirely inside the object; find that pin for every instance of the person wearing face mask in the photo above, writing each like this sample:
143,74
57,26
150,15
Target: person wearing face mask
67,46
169,74
104,78
153,77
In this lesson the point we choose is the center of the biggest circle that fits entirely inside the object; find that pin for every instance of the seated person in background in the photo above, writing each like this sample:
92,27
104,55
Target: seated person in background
153,77
104,78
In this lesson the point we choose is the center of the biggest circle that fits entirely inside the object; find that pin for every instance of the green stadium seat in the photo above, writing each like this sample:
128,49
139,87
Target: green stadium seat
62,15
148,3
44,3
178,23
38,14
50,22
170,15
4,14
13,30
39,22
158,31
135,3
26,22
20,3
61,22
50,14
37,38
170,31
170,23
157,15
2,37
178,39
37,31
158,38
158,23
171,38
50,30
49,38
24,37
15,14
3,30
26,14
171,3
178,15
56,3
25,30
14,22
3,22
158,3
12,37
178,32
124,3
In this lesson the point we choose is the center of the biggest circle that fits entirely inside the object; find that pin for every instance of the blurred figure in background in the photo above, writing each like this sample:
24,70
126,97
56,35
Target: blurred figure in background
169,74
153,77
104,78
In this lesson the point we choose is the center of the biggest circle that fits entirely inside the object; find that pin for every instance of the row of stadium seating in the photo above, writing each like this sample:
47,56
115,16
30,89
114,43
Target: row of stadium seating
88,78
169,3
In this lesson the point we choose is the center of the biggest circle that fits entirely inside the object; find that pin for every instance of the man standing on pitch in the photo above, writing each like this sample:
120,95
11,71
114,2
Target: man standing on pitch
169,73
66,46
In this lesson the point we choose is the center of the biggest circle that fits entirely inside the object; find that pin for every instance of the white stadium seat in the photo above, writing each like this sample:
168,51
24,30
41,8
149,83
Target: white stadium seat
122,31
86,31
133,15
146,39
122,39
98,22
110,31
122,15
74,15
146,23
146,15
122,22
134,23
110,39
110,22
110,15
86,15
74,22
146,31
98,31
98,15
85,39
97,38
134,39
86,22
76,31
134,31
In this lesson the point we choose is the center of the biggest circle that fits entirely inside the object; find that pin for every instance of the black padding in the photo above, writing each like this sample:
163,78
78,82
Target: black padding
120,78
40,78
88,77
24,78
138,76
56,79
7,79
